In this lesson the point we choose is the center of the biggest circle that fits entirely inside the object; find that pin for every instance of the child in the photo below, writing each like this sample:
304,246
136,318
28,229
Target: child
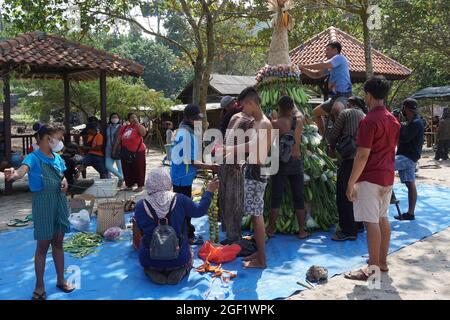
49,207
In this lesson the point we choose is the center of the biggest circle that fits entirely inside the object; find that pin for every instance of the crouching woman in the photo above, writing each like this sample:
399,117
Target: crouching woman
165,252
46,179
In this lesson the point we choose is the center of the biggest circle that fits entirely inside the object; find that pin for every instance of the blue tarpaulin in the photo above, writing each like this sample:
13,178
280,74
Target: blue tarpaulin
114,271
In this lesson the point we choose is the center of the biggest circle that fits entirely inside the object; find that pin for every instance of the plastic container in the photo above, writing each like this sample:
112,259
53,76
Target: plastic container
103,188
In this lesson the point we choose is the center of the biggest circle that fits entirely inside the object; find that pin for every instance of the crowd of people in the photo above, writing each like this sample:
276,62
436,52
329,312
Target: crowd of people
369,141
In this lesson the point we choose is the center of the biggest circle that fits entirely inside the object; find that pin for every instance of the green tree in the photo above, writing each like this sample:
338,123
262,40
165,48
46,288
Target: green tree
203,16
163,70
123,96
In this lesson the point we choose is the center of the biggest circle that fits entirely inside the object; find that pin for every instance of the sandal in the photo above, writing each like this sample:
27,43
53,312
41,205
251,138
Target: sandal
38,297
17,223
358,275
65,288
405,216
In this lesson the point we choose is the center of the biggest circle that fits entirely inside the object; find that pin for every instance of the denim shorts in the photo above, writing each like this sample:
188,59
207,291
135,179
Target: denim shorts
406,168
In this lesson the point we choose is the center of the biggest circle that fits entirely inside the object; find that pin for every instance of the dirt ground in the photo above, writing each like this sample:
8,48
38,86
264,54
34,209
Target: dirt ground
419,271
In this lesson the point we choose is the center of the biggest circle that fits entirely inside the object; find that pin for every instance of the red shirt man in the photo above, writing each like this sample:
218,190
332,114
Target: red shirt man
379,132
370,184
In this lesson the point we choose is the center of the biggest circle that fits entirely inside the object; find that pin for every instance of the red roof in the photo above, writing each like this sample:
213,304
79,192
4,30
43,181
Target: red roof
313,51
51,56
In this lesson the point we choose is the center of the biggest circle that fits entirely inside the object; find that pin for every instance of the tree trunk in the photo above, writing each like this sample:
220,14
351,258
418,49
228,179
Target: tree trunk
198,77
367,45
208,66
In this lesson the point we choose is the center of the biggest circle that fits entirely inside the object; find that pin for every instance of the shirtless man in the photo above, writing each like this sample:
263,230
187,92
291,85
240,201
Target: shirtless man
254,183
290,125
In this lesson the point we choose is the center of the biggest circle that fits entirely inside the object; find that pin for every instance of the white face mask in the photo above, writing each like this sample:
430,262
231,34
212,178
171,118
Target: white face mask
56,145
115,120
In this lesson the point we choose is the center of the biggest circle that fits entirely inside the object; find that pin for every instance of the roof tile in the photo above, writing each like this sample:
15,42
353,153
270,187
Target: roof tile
52,52
313,51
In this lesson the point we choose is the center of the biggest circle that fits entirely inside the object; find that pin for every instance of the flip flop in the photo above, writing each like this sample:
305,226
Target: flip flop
17,223
38,297
65,288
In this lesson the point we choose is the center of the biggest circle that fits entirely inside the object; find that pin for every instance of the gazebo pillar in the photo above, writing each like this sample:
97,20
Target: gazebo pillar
66,108
103,103
7,124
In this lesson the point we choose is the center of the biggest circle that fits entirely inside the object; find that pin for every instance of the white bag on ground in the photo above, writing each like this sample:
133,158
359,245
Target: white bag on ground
80,220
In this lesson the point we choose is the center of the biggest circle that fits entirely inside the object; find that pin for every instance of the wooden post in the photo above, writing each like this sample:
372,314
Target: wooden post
103,103
7,125
66,108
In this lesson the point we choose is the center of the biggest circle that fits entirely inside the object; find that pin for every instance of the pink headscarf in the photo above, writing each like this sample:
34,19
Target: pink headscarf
159,190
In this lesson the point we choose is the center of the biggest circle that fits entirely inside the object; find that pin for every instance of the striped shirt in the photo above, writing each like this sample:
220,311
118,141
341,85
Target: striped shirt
347,124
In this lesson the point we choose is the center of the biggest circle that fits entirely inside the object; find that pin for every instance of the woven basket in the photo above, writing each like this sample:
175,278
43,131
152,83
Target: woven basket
137,234
110,214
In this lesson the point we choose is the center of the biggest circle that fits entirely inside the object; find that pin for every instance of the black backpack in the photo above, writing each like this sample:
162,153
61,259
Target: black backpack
287,142
165,243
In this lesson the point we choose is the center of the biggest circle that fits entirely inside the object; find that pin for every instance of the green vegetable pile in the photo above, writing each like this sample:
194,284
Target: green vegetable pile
82,244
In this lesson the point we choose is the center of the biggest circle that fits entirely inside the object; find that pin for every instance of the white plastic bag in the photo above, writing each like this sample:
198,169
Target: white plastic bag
80,220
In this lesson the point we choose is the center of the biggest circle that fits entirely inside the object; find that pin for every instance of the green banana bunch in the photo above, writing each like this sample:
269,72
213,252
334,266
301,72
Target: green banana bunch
213,217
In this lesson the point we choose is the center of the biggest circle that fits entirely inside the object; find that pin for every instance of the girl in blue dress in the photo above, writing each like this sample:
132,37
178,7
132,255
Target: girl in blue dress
45,171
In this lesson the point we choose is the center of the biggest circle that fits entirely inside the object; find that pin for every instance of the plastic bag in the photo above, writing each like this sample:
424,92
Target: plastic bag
80,220
112,233
219,253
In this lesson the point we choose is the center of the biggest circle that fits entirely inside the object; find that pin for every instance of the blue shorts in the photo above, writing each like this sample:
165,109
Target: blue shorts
406,168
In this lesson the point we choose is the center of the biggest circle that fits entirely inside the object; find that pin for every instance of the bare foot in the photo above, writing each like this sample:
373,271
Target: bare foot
250,257
303,235
255,264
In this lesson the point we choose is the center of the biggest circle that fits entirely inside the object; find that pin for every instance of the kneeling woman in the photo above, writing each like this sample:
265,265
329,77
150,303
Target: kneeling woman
164,206
46,179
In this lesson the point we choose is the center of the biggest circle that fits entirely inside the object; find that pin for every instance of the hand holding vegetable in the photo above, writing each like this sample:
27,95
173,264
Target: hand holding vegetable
213,186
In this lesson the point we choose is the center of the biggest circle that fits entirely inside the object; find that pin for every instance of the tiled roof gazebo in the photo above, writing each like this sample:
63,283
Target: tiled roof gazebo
38,55
313,51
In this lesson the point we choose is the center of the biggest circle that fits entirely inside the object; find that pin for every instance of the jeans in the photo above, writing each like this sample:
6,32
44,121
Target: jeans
97,162
109,162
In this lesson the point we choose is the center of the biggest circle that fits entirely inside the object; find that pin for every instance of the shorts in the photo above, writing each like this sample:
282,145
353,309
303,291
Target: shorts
254,197
406,168
372,202
328,105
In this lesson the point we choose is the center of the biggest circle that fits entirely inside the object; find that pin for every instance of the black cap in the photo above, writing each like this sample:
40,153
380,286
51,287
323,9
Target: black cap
192,112
92,126
411,104
359,102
